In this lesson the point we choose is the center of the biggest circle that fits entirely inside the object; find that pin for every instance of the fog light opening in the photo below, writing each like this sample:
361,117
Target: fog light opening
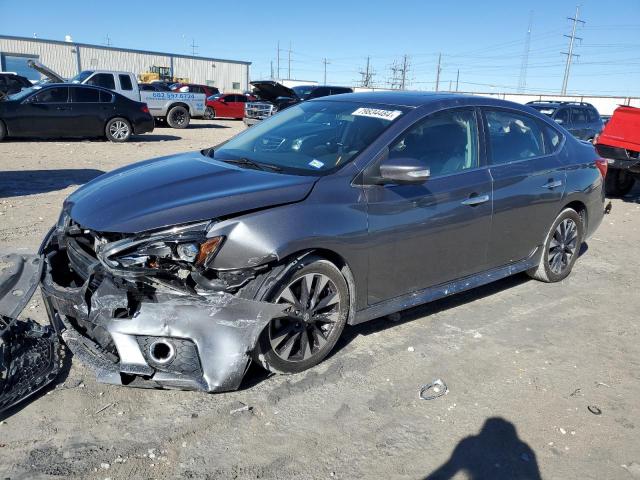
161,351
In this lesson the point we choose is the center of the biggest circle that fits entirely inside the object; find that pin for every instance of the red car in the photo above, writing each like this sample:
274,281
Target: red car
620,143
229,105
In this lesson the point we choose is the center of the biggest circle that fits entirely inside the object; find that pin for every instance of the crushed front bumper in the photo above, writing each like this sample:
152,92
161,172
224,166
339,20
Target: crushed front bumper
114,329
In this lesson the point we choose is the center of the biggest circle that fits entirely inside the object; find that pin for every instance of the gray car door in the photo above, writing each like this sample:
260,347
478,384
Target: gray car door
427,234
528,183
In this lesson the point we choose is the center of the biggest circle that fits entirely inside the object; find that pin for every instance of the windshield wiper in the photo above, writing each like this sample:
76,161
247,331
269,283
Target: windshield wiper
253,164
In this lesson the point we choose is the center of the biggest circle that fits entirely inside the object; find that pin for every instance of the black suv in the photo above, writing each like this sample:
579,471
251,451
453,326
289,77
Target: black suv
580,118
274,96
11,83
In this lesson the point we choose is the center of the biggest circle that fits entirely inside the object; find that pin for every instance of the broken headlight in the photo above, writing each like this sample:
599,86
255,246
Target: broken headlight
178,250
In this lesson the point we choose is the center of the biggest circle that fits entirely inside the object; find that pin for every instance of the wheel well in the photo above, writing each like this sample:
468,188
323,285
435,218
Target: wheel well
580,208
118,116
339,262
179,104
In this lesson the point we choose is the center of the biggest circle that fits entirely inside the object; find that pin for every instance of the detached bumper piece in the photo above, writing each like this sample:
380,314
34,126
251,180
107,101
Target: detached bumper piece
30,359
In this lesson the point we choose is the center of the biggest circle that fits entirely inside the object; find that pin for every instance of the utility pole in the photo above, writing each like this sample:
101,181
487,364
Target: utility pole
522,81
366,75
271,77
278,61
450,84
457,79
325,61
572,39
405,70
289,70
438,72
193,45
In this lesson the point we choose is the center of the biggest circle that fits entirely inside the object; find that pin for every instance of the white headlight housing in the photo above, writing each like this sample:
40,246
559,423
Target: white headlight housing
188,251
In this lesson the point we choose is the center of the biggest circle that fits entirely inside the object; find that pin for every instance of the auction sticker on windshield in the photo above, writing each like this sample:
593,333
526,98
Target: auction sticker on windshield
377,113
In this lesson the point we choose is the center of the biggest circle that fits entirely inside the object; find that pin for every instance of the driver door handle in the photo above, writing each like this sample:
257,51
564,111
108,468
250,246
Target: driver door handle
474,200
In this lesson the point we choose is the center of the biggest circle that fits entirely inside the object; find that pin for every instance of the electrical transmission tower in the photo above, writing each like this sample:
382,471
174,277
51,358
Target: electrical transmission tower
400,74
366,75
570,55
108,41
522,81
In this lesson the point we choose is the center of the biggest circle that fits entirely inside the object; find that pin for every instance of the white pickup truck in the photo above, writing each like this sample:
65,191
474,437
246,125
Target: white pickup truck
176,108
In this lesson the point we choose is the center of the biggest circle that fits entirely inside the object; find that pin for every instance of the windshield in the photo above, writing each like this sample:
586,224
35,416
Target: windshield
303,90
82,76
311,138
549,111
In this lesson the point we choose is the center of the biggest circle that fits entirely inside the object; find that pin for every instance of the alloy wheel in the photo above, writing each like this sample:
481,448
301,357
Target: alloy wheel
178,117
313,309
563,246
119,130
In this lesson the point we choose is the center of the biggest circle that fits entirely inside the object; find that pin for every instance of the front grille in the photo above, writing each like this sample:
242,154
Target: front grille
258,110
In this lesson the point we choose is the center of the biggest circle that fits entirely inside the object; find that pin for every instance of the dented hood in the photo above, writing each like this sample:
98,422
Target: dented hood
178,189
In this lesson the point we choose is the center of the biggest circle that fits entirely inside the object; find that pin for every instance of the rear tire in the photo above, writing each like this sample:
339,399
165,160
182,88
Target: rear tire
178,117
209,113
316,318
3,131
618,182
118,130
561,248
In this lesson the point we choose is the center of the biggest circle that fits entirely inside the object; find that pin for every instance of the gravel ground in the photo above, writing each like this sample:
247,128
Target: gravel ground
523,360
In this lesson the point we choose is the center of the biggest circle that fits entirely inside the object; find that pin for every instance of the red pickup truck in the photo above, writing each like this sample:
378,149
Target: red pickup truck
619,142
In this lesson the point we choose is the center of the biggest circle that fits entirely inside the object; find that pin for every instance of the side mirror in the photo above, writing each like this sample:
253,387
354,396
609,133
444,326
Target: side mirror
404,170
559,121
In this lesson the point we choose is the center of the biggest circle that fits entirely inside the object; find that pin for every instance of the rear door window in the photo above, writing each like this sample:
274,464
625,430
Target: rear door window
513,137
578,115
125,82
106,97
52,95
85,95
104,80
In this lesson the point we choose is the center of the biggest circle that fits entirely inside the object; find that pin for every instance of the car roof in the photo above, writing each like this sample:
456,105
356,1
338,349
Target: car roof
558,104
414,99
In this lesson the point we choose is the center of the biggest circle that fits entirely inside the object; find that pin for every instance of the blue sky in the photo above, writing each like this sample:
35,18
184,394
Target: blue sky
484,40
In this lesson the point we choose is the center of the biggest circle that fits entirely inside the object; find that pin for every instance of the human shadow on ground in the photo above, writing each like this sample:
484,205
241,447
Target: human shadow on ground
496,453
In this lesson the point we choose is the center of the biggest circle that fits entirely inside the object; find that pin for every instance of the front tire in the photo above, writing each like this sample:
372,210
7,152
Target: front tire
178,117
561,248
317,299
618,182
209,113
118,130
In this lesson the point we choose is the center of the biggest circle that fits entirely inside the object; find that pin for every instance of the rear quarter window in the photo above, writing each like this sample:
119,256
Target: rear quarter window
552,139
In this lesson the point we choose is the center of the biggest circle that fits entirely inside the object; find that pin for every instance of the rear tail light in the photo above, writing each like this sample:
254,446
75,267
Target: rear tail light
602,165
144,109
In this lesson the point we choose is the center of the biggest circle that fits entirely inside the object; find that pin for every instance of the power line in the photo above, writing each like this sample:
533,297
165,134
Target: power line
522,81
572,38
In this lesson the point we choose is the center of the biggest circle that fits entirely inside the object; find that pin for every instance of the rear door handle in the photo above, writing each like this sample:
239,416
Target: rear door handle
63,108
552,184
474,200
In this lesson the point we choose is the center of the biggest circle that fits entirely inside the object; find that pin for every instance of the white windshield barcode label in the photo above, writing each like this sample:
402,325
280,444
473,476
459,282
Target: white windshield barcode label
377,113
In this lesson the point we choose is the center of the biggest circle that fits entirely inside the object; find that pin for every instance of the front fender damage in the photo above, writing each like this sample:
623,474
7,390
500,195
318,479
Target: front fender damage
136,336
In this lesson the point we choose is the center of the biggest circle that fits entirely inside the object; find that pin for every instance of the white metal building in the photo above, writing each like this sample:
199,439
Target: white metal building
69,58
